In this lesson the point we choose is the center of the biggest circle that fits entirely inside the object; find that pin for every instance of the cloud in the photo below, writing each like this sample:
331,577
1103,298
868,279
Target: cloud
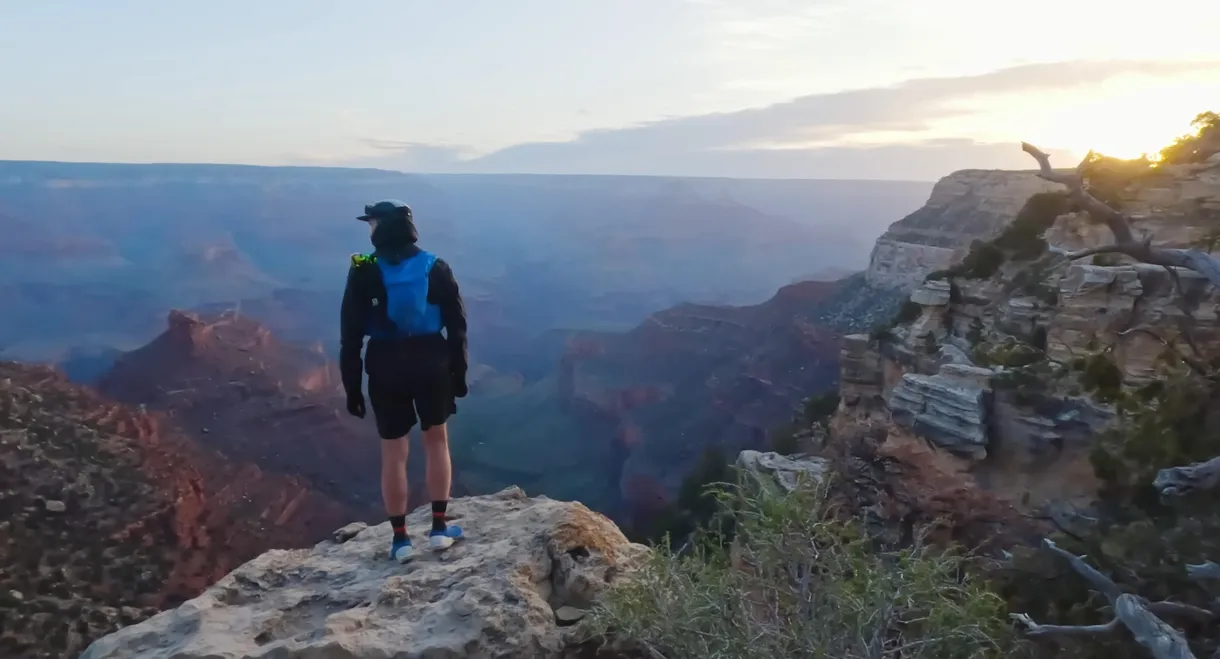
811,136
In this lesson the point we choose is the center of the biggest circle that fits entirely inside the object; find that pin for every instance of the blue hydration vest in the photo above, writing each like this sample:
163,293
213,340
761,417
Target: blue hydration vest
406,304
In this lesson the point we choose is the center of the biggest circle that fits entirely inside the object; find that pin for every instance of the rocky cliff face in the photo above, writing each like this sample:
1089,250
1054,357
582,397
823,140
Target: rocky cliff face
1175,206
1006,362
108,514
964,206
250,396
528,570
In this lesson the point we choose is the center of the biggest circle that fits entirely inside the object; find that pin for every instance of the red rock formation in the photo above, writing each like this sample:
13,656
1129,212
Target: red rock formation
259,400
251,397
108,514
905,488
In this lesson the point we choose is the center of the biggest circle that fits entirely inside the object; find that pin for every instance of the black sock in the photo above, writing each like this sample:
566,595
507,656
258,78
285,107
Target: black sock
438,515
399,524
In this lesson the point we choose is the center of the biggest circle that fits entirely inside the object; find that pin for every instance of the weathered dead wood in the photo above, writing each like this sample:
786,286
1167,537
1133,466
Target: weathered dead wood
1160,638
1179,481
1131,612
1208,571
1195,365
1120,224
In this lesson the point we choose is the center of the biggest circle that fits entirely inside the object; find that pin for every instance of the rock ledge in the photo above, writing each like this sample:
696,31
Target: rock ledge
494,594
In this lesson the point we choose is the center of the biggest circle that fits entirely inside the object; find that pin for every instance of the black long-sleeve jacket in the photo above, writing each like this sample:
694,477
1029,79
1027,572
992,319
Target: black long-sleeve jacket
357,313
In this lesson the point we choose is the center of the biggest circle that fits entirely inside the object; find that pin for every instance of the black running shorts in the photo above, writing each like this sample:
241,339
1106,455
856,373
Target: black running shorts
408,389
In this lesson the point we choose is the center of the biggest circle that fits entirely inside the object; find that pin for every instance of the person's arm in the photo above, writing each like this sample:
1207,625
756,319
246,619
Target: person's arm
453,314
353,314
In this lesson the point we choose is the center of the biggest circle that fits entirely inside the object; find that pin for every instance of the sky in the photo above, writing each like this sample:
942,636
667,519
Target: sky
882,89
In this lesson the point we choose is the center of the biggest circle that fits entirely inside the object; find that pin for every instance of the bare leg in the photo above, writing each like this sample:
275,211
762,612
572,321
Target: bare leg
394,475
440,471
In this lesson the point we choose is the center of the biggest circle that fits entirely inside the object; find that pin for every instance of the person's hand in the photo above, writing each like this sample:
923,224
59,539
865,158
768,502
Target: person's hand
459,385
355,406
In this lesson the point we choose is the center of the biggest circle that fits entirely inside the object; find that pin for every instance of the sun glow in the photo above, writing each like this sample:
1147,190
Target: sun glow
1123,118
1127,119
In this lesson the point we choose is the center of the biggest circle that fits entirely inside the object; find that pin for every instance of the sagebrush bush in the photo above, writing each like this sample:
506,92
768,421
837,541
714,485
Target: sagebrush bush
798,583
1023,237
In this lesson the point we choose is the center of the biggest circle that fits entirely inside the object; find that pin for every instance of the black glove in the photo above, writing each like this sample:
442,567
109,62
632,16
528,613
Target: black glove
355,406
459,385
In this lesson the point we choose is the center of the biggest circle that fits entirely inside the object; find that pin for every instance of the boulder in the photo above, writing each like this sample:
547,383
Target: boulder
788,471
949,411
348,532
496,593
933,293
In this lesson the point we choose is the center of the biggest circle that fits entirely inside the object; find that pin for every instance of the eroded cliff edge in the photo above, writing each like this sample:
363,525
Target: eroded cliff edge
1007,360
964,206
527,570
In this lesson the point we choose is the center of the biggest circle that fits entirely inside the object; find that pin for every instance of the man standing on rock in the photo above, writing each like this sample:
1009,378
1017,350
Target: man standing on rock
402,297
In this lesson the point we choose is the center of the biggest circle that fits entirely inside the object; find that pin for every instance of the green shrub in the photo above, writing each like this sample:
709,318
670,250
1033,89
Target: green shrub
1009,354
694,507
983,261
880,333
907,313
800,584
1198,145
1023,237
819,408
975,334
784,440
1100,376
1038,340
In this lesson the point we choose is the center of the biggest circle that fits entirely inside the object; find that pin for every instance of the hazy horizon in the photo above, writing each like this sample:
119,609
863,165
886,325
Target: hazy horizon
373,168
828,89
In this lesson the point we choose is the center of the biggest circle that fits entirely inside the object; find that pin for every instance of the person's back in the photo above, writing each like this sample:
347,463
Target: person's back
402,298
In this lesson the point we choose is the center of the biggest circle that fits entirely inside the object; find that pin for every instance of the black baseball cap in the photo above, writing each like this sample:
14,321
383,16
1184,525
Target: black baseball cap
386,210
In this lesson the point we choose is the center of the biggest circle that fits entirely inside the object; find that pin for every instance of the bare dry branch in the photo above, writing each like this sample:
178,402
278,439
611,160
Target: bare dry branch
1090,251
1100,582
1034,630
1178,481
1130,611
1195,364
1181,611
1120,225
1161,639
1204,571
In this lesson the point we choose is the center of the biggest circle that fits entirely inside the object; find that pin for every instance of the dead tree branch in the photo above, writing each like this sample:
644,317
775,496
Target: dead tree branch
1120,224
1034,630
1179,481
1130,611
1195,364
1100,582
1161,639
1181,611
1204,571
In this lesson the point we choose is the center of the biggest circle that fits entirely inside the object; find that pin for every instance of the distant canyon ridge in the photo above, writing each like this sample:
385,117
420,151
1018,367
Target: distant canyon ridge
621,328
95,255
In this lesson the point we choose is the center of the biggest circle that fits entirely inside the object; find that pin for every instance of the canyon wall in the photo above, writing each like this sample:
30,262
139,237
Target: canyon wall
109,514
964,206
1003,366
